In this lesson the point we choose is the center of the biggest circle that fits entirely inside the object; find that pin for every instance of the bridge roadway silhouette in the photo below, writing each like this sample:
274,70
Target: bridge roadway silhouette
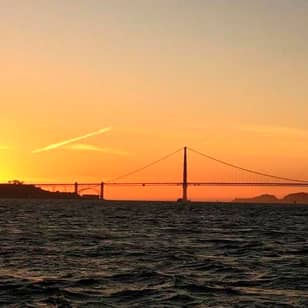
79,188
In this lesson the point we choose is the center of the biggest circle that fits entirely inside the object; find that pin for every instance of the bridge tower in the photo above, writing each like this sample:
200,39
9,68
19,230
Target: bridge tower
185,185
76,189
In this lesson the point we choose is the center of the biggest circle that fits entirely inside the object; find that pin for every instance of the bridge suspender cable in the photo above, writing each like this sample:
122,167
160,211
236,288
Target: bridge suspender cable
210,158
248,170
185,183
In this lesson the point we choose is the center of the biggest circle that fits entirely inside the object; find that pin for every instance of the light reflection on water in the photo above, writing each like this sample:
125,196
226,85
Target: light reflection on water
85,253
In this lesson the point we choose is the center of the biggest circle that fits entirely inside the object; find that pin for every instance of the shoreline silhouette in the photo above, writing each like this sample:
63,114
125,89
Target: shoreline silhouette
293,198
29,191
18,190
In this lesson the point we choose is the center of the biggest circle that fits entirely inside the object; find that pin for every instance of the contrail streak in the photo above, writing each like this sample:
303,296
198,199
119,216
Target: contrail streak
90,147
65,142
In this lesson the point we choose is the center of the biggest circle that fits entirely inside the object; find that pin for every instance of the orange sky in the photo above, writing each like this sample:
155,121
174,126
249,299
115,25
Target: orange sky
229,79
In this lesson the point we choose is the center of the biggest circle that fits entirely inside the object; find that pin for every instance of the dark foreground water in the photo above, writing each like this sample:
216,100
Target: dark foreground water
92,254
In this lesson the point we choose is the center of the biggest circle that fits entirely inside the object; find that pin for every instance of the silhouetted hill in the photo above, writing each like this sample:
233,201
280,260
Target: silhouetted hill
30,191
300,198
259,199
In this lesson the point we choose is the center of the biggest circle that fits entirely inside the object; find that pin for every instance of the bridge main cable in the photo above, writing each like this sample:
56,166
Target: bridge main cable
143,168
248,170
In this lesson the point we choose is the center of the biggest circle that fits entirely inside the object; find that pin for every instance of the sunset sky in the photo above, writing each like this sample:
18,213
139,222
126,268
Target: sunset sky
91,89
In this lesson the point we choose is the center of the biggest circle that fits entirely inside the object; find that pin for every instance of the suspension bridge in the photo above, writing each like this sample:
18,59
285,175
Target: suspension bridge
184,183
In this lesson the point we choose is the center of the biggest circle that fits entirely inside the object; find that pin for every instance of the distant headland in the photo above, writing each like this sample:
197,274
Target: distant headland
16,189
295,198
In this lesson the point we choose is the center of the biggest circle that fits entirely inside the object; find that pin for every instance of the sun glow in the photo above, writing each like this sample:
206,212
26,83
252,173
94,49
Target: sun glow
6,173
233,86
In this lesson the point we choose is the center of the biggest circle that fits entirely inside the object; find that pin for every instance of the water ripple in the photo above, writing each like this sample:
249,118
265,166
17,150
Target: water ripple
91,254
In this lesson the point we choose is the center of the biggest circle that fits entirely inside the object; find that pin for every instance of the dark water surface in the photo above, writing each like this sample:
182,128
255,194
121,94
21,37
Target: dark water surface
92,254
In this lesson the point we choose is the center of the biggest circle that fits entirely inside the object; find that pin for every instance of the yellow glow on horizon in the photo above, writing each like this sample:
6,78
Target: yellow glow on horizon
234,87
7,169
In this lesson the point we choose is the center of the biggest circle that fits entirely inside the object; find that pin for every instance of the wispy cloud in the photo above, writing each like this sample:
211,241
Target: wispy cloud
3,147
72,140
272,130
94,148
